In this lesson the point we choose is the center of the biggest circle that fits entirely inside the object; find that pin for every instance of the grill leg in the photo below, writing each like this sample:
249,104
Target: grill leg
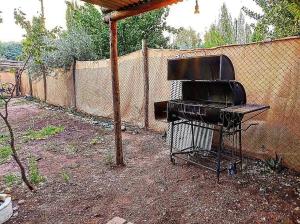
193,141
240,145
171,148
220,148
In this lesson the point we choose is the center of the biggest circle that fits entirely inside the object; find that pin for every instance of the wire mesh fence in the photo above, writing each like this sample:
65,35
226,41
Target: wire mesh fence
270,73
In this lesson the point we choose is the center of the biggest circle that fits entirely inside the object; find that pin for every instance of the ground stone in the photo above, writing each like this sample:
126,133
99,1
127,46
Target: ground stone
20,202
117,220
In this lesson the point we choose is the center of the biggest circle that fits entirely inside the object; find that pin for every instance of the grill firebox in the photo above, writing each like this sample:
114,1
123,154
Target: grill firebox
210,95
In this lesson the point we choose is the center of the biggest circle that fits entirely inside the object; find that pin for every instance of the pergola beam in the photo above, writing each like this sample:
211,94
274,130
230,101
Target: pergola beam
133,11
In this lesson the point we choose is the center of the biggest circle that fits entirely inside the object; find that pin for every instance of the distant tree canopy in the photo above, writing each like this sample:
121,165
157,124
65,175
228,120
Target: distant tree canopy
10,50
227,31
280,18
131,31
186,39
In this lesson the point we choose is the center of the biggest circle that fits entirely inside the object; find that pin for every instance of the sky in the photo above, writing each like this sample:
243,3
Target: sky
181,14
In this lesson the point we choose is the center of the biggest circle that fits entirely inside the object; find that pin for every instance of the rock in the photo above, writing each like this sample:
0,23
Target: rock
15,214
117,220
123,128
16,208
20,202
297,209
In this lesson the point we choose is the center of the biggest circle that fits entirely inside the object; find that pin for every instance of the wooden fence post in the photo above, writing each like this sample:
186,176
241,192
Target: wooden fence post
74,80
17,83
146,84
30,85
116,91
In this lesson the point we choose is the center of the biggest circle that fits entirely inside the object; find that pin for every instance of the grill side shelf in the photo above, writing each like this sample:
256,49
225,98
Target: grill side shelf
245,109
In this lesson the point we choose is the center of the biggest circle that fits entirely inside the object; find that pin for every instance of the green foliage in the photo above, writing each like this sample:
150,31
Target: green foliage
5,154
10,50
280,18
34,44
274,164
225,31
131,31
96,140
3,138
34,174
1,20
187,39
213,38
11,179
73,44
225,25
65,176
44,133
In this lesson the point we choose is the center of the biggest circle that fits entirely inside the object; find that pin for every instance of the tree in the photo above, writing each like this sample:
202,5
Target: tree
1,20
34,44
213,37
6,94
187,39
73,44
225,25
280,18
10,50
150,26
242,30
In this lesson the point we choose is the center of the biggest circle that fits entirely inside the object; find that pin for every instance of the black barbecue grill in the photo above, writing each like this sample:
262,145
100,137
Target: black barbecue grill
210,95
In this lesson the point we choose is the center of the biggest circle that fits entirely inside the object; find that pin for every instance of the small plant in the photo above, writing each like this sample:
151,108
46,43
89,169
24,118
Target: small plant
5,154
11,179
96,140
3,138
71,149
44,133
274,164
109,160
65,176
34,173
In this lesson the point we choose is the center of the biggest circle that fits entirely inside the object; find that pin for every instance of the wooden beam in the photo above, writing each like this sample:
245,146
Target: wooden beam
146,7
116,91
146,84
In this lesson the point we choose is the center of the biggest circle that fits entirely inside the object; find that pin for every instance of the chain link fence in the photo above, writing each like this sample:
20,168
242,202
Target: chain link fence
270,73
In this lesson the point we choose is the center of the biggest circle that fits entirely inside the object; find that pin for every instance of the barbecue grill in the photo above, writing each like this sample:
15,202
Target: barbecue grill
209,95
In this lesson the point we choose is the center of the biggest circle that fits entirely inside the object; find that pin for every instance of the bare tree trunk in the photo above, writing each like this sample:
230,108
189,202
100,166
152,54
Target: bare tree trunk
4,116
15,154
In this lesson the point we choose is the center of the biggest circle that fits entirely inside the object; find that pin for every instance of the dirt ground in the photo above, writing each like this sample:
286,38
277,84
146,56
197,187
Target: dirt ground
149,189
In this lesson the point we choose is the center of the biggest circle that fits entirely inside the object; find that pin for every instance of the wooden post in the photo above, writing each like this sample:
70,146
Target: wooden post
17,83
116,91
30,85
146,84
74,80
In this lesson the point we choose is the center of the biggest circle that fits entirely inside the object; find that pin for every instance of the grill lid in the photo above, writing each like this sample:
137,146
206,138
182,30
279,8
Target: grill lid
217,67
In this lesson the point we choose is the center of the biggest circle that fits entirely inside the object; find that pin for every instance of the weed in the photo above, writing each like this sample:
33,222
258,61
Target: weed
5,154
71,149
65,176
34,173
96,140
274,164
11,179
44,133
109,159
3,139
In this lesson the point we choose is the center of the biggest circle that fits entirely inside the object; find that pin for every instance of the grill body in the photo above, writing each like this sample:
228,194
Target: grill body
210,99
